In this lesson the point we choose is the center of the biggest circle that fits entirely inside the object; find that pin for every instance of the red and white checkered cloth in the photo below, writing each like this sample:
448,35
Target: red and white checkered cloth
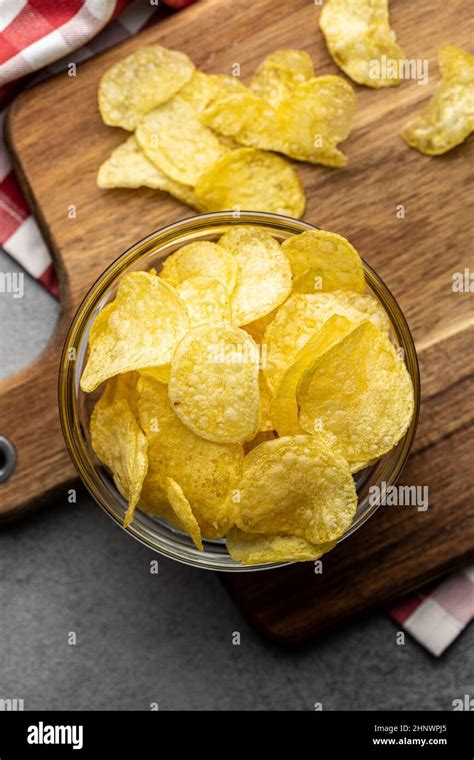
39,33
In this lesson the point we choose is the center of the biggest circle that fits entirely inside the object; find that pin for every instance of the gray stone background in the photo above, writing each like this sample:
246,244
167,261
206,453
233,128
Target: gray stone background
167,638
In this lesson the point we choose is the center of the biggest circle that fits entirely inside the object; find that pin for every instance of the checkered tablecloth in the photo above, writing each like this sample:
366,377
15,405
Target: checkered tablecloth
49,34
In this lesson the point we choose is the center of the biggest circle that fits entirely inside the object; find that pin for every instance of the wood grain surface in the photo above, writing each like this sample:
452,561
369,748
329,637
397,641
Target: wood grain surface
57,141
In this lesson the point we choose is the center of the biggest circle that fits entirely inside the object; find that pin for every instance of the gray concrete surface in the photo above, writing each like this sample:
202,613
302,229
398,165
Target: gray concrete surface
167,638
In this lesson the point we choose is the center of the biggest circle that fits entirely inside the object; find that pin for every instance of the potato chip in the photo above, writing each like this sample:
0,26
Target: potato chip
360,40
183,511
206,300
245,117
315,119
361,392
140,328
213,385
203,88
249,179
448,118
162,374
284,409
298,486
262,435
265,405
201,259
257,328
138,83
120,444
263,273
205,470
154,501
120,387
323,261
173,138
127,166
302,315
254,548
279,74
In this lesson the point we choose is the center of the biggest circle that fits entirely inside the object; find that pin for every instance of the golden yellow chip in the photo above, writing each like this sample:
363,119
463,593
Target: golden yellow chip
173,138
315,119
127,166
323,261
162,374
449,116
204,88
257,328
263,273
361,42
120,444
262,435
138,83
183,511
140,328
298,486
284,409
265,406
213,384
361,394
302,315
120,387
205,470
254,548
245,117
279,74
249,179
201,259
206,300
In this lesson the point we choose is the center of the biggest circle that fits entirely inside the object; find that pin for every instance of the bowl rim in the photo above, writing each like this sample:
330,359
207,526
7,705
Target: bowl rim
92,304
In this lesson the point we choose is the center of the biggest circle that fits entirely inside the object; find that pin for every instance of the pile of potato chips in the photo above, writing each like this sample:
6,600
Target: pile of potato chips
243,385
206,138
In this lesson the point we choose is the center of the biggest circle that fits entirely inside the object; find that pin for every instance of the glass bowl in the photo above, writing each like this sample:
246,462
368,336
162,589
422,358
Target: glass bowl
75,406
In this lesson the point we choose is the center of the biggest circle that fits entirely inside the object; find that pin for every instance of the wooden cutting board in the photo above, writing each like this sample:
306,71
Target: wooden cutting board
58,141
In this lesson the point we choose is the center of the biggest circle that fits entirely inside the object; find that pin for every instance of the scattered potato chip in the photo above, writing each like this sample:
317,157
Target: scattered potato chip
323,261
360,40
315,119
361,392
173,138
284,409
302,315
140,328
120,444
298,486
206,300
184,513
449,116
138,83
249,179
279,74
205,470
201,259
254,548
263,273
245,117
127,166
213,385
204,88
